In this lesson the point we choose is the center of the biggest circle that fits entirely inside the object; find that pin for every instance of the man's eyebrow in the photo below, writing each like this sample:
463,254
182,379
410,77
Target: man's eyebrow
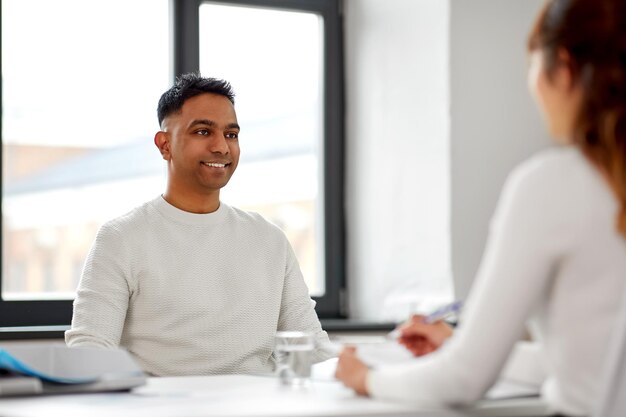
205,122
211,123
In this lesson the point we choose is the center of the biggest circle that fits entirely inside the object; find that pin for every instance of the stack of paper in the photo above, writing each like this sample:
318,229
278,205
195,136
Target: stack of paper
522,377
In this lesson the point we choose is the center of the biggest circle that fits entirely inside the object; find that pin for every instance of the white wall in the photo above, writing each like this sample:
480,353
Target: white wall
397,184
494,122
437,114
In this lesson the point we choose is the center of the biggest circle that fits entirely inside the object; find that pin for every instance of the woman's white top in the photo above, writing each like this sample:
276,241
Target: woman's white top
554,260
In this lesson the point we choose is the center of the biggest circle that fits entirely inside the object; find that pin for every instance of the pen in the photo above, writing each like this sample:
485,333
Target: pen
439,314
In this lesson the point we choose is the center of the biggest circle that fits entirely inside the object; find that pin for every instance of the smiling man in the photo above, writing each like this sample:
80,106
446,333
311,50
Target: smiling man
186,283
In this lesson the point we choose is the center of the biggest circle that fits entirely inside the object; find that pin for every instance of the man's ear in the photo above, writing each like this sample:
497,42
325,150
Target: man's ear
162,141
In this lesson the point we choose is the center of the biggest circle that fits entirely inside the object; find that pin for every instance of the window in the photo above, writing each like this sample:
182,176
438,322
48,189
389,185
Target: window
277,75
300,137
78,116
78,104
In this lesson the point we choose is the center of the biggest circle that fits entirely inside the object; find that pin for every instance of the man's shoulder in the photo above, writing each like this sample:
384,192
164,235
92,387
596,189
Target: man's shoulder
130,220
251,219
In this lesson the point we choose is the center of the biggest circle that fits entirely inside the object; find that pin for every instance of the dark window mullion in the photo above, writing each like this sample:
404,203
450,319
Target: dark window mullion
185,36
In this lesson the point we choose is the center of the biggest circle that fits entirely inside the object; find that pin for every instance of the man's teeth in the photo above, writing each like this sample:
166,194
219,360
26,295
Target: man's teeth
214,164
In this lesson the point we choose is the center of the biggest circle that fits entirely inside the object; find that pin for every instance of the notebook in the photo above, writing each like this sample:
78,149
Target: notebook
51,368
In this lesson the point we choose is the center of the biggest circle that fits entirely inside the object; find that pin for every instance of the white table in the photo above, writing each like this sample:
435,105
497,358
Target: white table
242,395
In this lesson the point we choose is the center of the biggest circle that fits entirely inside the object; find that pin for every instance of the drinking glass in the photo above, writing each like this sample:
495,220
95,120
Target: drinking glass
294,352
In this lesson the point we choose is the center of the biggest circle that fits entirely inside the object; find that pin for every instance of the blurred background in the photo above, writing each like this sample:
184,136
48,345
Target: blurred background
433,112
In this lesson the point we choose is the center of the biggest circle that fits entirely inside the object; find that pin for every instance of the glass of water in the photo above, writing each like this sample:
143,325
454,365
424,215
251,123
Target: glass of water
294,352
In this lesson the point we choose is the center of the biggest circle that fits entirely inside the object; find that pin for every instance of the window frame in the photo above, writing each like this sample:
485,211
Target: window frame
185,57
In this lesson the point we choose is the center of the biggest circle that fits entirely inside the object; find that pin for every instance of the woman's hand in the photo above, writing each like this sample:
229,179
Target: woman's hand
423,338
351,371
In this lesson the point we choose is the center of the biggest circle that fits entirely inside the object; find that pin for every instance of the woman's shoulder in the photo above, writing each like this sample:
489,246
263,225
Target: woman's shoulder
558,180
553,194
556,169
559,161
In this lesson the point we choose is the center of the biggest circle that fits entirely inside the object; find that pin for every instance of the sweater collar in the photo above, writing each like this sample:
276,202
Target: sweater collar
180,216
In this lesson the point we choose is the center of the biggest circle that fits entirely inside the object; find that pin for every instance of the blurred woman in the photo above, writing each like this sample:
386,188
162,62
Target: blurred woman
556,253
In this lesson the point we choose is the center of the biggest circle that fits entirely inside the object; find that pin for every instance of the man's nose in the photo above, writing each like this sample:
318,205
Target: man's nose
218,144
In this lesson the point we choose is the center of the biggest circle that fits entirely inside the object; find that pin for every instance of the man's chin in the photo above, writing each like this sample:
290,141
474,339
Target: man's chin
213,186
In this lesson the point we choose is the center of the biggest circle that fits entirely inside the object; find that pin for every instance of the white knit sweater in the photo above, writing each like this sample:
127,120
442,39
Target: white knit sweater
192,294
554,256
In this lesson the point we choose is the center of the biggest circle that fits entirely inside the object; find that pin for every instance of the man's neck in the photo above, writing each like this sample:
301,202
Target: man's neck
198,204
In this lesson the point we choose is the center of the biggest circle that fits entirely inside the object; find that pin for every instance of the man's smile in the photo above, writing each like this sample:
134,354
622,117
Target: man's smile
214,164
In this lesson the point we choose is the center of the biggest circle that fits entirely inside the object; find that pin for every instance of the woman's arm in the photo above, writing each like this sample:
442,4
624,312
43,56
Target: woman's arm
513,276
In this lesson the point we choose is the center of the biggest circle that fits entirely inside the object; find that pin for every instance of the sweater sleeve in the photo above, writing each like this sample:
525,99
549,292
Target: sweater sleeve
103,293
521,251
297,310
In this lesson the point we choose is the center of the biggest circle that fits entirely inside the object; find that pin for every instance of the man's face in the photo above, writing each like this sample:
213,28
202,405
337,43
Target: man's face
201,144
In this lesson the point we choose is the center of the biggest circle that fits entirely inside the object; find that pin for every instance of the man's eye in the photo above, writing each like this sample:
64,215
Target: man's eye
232,135
203,132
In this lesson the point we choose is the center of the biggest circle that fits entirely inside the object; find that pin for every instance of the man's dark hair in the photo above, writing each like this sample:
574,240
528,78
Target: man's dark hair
190,85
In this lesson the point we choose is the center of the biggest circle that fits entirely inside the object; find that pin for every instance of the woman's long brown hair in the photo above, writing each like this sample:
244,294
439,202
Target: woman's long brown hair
593,33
